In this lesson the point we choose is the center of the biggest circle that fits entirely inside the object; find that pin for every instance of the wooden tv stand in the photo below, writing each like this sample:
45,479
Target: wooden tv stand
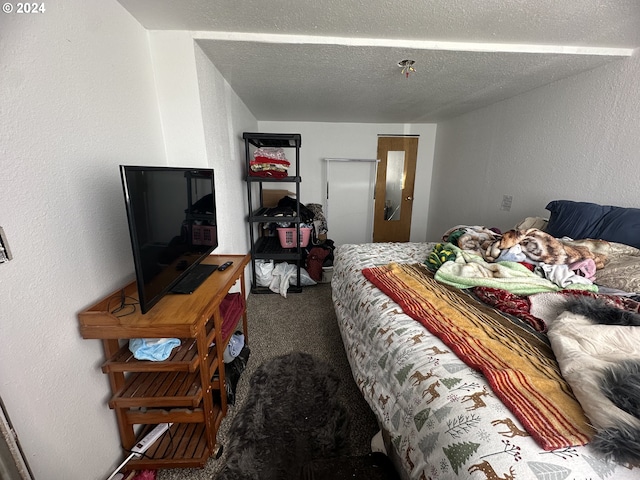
187,389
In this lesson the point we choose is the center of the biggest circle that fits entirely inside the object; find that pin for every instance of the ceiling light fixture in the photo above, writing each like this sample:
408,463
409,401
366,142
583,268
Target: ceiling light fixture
407,67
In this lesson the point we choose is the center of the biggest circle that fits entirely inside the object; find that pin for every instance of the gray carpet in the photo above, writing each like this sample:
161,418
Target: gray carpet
304,322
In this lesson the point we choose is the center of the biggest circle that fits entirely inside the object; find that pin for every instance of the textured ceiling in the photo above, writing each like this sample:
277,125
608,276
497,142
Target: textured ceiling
336,61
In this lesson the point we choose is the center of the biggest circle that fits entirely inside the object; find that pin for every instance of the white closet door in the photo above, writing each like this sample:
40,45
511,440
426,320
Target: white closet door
349,199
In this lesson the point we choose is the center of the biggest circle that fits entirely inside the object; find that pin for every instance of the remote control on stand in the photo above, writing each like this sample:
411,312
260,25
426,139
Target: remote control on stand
224,266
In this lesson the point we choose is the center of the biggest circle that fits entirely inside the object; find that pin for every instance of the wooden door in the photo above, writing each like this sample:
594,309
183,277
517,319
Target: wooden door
394,188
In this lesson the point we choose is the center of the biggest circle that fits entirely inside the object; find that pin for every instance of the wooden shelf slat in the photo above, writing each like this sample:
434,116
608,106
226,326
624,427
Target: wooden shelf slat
182,359
162,415
184,445
159,389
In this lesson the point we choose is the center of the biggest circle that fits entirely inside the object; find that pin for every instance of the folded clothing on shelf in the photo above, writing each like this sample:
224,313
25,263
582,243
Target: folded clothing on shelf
274,153
155,349
269,162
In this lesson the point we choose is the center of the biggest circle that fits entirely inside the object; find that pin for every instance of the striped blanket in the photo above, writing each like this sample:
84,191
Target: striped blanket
520,367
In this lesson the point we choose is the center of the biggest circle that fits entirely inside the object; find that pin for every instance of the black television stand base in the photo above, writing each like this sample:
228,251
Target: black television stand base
196,276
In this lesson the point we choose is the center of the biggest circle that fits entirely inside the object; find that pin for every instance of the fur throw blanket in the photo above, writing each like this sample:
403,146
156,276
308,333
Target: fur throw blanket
597,346
540,247
292,416
533,245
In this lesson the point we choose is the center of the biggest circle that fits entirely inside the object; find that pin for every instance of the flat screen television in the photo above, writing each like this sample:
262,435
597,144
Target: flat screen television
172,224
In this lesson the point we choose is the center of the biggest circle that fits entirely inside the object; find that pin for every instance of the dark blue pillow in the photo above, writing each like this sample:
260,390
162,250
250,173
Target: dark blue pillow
579,220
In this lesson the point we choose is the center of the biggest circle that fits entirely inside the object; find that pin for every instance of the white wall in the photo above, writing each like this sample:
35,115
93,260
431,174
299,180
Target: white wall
225,117
176,78
85,88
357,140
203,120
77,99
575,139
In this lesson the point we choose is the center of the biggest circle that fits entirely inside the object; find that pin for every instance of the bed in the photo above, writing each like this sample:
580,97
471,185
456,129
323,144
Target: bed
413,344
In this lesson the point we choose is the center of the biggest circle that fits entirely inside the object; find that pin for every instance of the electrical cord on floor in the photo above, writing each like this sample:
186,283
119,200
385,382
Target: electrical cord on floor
117,470
142,446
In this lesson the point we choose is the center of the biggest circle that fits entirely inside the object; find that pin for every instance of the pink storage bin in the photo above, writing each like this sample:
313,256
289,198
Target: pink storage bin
288,237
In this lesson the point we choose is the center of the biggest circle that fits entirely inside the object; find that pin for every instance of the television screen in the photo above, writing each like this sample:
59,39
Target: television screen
172,224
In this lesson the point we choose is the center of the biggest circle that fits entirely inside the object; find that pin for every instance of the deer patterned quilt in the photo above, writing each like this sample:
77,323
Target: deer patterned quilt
443,418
